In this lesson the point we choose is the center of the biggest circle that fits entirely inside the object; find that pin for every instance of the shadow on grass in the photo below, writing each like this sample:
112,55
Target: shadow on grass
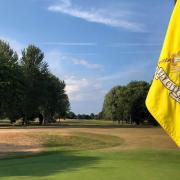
43,164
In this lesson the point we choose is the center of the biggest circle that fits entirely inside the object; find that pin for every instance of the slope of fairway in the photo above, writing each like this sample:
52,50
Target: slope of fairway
144,165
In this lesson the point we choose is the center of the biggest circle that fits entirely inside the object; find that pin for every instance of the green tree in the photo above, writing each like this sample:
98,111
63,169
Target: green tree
27,88
137,107
114,104
11,83
56,102
35,71
45,93
71,115
127,103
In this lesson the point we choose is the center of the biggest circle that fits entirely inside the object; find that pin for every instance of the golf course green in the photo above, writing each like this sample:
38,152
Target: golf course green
145,165
83,156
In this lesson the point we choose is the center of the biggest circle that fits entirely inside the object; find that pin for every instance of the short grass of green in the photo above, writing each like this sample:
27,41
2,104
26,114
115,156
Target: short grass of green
92,165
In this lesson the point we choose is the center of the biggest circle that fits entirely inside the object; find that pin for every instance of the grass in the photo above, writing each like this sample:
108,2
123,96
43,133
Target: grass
87,122
81,156
67,122
137,165
79,141
5,122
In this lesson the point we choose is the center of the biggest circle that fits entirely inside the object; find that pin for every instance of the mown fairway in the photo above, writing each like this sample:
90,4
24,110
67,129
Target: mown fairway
88,154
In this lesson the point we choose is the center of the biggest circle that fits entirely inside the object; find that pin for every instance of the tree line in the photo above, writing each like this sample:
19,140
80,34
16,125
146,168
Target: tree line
127,104
72,115
28,90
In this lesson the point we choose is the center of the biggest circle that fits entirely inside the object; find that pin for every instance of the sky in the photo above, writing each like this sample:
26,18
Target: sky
93,45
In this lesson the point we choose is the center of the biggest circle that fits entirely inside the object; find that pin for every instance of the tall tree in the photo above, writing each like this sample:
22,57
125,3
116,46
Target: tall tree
56,101
138,110
27,88
11,83
35,72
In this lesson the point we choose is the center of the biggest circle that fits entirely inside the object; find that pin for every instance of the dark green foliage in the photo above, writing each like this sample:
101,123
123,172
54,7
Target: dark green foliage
127,103
57,102
27,88
83,116
11,83
34,70
72,115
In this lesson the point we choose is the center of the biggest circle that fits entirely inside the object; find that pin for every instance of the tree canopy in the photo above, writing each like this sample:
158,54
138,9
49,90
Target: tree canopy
27,88
127,103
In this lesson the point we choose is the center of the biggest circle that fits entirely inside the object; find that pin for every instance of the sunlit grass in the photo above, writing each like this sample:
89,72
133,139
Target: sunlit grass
136,165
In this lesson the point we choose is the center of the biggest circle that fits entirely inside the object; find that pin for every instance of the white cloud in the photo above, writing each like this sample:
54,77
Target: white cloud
55,60
86,95
86,64
83,89
75,84
97,16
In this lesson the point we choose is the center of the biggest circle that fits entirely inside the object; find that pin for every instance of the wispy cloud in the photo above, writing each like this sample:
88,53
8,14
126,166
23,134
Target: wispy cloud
100,16
85,94
56,59
86,64
69,43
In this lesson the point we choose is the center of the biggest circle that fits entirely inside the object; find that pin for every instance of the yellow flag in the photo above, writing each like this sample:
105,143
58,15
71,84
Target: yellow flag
163,100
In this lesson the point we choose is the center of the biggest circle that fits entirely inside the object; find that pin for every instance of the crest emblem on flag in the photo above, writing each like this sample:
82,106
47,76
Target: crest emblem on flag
175,65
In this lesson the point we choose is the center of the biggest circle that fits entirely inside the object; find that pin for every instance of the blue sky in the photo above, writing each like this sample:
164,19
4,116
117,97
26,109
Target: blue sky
92,44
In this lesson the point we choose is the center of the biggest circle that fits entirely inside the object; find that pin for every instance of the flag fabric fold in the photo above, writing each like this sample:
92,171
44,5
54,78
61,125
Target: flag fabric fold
163,100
